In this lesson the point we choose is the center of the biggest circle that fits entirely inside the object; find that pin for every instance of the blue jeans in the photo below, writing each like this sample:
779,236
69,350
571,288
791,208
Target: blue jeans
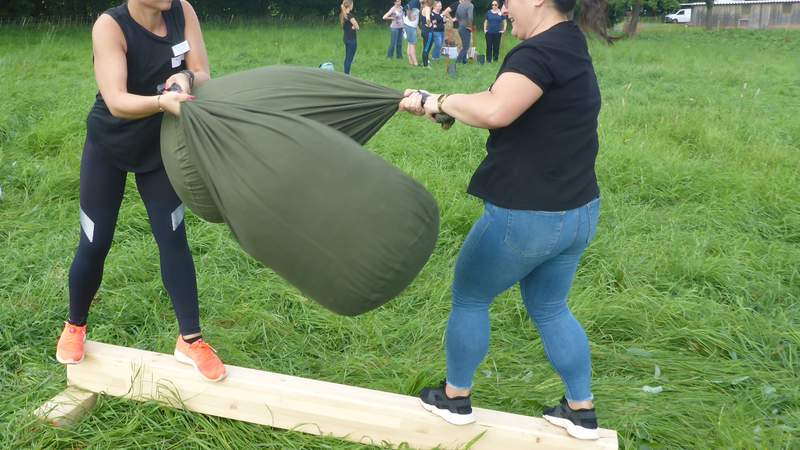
466,36
396,45
349,54
438,40
540,250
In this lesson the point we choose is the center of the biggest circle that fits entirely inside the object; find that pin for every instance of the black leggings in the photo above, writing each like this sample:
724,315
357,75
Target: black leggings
102,189
492,46
427,40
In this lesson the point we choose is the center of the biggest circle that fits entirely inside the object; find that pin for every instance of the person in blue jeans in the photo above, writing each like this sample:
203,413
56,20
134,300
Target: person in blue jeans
395,14
541,204
465,16
349,28
438,30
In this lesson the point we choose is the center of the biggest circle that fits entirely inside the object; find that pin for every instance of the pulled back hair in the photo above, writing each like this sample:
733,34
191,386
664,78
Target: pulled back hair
593,16
342,14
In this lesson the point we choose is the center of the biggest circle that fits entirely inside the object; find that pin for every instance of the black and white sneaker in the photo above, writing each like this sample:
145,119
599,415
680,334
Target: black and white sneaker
579,423
456,410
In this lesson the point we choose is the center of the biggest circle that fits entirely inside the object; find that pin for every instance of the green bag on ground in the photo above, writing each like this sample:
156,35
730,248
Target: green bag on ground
275,153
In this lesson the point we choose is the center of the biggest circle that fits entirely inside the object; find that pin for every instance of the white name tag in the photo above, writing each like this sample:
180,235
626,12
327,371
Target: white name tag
176,61
179,49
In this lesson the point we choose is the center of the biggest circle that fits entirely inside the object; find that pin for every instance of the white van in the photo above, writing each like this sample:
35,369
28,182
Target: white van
680,16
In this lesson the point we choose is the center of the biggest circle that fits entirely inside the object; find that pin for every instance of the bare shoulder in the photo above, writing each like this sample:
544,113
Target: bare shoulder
188,9
106,29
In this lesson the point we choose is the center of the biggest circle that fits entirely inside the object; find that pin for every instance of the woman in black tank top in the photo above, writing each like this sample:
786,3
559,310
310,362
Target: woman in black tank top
138,46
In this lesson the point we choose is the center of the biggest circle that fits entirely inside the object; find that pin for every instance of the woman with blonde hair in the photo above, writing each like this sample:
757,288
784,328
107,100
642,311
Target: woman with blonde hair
411,20
349,29
426,27
138,46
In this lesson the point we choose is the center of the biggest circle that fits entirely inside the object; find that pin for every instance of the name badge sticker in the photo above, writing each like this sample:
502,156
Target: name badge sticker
179,49
176,61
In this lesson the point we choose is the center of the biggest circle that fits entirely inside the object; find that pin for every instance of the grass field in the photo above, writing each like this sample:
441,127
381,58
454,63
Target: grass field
692,284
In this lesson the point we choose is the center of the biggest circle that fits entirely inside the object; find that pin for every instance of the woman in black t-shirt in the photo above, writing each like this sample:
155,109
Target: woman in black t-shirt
137,46
541,202
349,29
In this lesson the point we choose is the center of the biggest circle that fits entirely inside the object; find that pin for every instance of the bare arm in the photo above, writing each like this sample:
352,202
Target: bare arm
511,95
111,73
197,57
354,23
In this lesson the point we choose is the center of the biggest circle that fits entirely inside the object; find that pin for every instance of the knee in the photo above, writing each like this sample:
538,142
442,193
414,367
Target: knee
462,300
543,316
96,249
172,241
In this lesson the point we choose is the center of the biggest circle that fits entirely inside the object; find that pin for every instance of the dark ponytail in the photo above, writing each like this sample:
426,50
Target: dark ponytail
592,16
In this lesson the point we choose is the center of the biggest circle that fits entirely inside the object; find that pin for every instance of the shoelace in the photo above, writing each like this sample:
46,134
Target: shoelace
202,345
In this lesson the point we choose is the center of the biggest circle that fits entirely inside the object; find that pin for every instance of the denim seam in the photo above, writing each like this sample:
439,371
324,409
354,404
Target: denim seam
568,394
550,246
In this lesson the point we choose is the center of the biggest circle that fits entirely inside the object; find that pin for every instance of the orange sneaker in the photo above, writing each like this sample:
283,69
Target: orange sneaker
70,345
202,357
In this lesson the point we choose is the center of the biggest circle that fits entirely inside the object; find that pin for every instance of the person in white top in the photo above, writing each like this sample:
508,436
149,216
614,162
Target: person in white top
411,20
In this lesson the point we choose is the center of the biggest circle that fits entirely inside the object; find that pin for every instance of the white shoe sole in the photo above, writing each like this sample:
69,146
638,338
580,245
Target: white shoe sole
576,431
68,361
449,417
71,361
182,358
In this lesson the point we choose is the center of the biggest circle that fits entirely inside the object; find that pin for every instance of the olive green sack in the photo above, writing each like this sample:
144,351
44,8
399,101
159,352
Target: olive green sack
275,153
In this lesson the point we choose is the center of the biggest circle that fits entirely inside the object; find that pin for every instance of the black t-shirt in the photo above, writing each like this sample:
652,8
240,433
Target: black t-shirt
545,159
134,145
347,27
437,21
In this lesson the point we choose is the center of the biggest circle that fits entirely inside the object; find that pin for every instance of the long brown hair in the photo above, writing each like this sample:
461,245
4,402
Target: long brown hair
593,16
342,14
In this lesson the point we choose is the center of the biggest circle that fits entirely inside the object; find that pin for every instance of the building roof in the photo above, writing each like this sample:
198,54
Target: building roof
740,2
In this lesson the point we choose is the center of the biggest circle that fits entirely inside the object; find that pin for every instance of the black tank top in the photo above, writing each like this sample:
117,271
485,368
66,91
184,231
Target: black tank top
134,145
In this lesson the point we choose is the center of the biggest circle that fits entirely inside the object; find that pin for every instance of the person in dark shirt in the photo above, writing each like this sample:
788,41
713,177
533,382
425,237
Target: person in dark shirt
541,203
426,29
349,29
437,19
494,26
465,16
137,46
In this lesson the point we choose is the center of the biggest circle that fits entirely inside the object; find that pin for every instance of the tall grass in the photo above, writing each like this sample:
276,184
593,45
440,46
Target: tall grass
692,283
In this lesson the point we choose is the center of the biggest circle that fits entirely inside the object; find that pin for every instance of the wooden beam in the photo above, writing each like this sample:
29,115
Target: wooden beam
67,408
309,406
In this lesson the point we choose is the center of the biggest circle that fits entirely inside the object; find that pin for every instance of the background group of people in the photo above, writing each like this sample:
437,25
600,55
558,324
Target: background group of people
438,25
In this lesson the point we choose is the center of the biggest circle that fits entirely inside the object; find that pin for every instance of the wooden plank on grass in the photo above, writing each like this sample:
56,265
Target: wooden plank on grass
309,406
67,408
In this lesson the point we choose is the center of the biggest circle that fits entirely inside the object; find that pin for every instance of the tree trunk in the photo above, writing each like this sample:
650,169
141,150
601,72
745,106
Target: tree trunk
632,26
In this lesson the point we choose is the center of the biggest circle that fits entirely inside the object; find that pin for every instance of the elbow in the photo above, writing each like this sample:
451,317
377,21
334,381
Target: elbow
497,119
115,112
